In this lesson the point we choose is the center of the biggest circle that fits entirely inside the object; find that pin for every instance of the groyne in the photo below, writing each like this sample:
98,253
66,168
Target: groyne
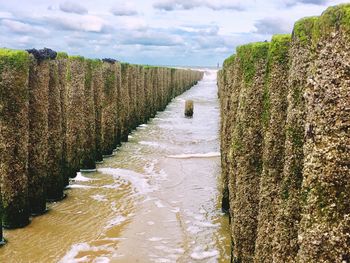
285,118
60,114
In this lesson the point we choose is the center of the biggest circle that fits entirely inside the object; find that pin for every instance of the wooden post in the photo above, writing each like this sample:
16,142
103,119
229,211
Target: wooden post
189,108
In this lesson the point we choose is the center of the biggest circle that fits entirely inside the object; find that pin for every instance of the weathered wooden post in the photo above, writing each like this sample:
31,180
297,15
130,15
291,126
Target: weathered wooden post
75,113
62,60
54,182
108,111
89,147
97,82
39,77
14,70
189,108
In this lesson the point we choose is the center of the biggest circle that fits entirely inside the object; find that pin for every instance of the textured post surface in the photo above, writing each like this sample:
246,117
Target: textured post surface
75,113
89,141
274,117
14,134
189,108
39,77
55,181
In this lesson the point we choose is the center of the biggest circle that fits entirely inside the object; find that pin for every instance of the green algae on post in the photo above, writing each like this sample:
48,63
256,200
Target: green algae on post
189,108
55,180
289,212
97,82
89,146
109,113
325,223
39,77
75,113
246,148
62,59
274,141
14,133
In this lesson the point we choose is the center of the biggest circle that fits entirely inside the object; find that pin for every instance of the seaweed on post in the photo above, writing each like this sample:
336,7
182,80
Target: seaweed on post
14,135
55,180
273,118
62,59
108,109
39,78
89,147
97,84
75,113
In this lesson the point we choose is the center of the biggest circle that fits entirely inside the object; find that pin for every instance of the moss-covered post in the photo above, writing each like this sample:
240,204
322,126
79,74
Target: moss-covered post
97,85
75,113
274,118
324,234
118,104
246,147
148,85
189,108
125,101
132,96
62,59
226,78
287,221
55,180
39,77
14,99
89,147
108,115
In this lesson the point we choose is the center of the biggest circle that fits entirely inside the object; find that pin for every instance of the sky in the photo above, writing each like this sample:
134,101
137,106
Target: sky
154,32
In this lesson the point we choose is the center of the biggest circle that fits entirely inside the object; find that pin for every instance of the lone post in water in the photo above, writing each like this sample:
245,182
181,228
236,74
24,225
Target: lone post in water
189,108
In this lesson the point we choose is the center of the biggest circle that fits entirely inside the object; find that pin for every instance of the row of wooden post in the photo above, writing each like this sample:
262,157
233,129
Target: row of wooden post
61,115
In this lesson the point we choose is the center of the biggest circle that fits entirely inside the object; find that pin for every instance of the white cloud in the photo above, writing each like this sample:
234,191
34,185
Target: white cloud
23,28
273,25
71,7
171,5
5,15
124,9
87,23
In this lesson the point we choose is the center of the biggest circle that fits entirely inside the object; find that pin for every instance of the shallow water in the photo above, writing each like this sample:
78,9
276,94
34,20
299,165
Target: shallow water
155,200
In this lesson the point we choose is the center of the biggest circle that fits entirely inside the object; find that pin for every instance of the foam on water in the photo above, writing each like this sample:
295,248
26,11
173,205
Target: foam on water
71,255
100,198
79,186
155,239
154,144
80,178
138,181
200,255
195,155
116,221
159,204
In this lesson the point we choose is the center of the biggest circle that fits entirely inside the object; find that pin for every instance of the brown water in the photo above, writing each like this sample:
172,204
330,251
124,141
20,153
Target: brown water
156,200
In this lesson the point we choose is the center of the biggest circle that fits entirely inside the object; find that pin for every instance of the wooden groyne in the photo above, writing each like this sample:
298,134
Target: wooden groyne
285,109
60,114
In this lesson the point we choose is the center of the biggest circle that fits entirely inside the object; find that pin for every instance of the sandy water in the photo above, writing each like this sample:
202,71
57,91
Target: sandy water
156,200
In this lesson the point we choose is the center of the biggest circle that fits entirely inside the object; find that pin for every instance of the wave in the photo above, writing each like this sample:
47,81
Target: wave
138,181
195,155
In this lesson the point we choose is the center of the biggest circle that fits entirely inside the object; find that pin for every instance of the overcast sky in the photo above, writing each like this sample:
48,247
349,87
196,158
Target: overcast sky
156,32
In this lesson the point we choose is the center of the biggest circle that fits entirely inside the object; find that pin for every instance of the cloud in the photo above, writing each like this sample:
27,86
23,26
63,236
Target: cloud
172,5
126,9
5,15
205,30
270,26
312,2
87,23
152,38
70,7
18,27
